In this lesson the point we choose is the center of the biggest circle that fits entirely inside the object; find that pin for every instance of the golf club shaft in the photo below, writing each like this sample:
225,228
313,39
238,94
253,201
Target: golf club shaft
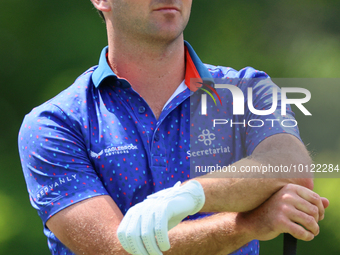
289,244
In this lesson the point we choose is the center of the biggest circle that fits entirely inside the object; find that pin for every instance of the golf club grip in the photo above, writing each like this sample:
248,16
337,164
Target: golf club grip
289,244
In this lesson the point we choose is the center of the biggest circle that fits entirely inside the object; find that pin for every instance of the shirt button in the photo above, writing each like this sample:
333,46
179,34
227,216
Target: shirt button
156,137
141,109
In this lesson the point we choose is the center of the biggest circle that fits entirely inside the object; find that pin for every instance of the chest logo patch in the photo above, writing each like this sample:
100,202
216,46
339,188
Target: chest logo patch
114,150
96,155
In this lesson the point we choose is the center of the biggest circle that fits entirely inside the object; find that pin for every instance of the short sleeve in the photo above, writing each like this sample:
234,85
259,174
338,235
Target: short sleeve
55,161
260,127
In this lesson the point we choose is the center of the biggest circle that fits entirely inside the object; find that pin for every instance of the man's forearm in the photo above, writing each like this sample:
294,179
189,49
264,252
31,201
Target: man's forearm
221,233
240,192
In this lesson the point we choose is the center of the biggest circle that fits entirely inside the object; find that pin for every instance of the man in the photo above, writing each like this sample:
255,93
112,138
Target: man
121,132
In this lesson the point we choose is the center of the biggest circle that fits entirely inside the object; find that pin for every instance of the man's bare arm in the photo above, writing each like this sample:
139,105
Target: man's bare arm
89,227
224,233
226,194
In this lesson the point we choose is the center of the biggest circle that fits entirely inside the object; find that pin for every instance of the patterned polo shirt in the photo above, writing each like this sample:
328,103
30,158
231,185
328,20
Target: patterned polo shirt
100,137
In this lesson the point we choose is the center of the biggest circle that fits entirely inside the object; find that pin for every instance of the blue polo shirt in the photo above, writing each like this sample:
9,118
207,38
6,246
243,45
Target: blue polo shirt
99,137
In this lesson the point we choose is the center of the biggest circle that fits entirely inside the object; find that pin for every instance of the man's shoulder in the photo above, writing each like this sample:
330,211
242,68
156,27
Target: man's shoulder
228,72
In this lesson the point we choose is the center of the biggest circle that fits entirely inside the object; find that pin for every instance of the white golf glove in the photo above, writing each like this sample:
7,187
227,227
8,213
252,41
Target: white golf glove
144,228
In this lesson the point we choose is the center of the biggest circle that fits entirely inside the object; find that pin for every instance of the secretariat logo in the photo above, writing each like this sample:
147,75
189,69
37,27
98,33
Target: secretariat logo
207,138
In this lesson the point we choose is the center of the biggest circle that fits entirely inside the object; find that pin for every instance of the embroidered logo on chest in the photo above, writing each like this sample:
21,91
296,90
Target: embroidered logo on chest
114,150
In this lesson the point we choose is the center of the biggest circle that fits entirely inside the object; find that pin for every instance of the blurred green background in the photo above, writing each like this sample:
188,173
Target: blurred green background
45,45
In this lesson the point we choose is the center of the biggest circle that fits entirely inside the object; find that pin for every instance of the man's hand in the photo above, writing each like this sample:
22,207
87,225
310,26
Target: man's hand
144,228
294,209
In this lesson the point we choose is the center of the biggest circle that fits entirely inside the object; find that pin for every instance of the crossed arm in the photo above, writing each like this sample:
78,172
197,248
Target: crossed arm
262,209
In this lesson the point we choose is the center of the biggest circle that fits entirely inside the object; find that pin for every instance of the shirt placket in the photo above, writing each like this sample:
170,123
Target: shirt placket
152,132
146,126
160,146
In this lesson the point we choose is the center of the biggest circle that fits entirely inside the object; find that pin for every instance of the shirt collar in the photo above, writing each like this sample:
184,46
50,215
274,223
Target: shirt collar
194,69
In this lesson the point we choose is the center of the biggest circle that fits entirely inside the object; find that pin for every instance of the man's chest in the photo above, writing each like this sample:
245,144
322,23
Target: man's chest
126,145
134,154
160,149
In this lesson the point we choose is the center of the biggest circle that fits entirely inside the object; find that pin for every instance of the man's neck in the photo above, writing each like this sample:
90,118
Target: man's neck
154,70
